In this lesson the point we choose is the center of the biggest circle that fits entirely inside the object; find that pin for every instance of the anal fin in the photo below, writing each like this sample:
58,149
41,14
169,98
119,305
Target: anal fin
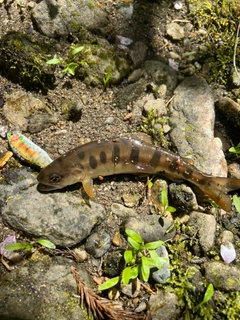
88,187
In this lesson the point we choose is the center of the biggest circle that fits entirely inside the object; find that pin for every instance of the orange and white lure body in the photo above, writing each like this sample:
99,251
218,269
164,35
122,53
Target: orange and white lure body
27,150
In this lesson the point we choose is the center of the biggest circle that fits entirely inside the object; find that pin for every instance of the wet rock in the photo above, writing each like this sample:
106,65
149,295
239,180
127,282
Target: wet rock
160,73
164,306
100,62
141,307
81,255
182,198
62,218
116,240
192,121
161,275
113,264
138,53
157,105
151,228
121,211
204,227
229,109
234,170
60,18
24,290
98,244
71,110
132,289
175,31
126,95
131,200
26,112
223,276
23,60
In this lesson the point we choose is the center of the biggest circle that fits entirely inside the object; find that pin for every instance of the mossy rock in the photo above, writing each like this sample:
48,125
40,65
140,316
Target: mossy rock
97,62
23,60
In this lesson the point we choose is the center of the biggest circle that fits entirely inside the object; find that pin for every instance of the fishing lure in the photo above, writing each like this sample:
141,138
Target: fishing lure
27,151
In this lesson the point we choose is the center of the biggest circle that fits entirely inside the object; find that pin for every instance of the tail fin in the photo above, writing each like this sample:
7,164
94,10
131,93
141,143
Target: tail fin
216,188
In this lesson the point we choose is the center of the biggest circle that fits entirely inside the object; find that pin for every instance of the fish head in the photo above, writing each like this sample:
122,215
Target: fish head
56,176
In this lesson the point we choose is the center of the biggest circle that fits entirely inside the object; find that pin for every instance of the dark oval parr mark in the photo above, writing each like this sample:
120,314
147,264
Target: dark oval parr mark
103,157
93,162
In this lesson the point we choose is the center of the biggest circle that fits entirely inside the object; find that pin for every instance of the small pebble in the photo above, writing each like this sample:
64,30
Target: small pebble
98,244
141,307
116,240
80,254
109,120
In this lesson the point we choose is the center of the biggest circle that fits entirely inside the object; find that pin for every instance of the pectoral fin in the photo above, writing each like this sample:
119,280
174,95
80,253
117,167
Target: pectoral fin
88,187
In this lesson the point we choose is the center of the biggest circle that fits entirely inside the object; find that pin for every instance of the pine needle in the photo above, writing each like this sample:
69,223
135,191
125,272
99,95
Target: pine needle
235,52
101,308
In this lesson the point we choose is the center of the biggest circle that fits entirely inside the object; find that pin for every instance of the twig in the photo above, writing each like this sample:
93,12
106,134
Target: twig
235,51
101,308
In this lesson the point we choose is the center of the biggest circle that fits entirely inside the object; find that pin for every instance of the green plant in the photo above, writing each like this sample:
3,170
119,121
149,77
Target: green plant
28,246
138,260
164,201
153,126
107,78
236,202
70,65
219,19
235,150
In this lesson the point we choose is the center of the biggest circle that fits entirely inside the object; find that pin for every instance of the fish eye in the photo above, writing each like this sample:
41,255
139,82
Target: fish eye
55,178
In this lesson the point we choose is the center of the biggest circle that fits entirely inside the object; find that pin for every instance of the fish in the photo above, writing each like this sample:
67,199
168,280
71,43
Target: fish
27,151
130,155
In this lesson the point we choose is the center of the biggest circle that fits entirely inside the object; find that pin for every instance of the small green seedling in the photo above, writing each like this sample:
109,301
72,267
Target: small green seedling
107,78
70,65
208,295
236,202
235,150
54,60
138,260
70,68
28,246
164,201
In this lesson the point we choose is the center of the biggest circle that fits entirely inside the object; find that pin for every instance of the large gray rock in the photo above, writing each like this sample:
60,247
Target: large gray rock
192,121
59,18
42,290
61,217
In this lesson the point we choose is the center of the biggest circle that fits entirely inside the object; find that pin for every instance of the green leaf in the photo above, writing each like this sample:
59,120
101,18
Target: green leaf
55,60
236,202
134,272
126,275
76,50
208,294
235,149
144,269
109,284
46,243
70,68
134,235
164,198
153,245
28,247
156,260
134,244
170,209
15,246
128,256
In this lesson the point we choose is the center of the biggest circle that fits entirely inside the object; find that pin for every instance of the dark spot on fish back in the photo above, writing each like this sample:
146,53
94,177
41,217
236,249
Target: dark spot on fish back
103,157
173,165
116,154
188,173
81,155
154,162
134,156
93,162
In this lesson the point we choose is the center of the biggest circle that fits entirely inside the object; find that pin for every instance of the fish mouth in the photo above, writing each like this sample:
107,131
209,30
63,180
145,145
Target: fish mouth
45,187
